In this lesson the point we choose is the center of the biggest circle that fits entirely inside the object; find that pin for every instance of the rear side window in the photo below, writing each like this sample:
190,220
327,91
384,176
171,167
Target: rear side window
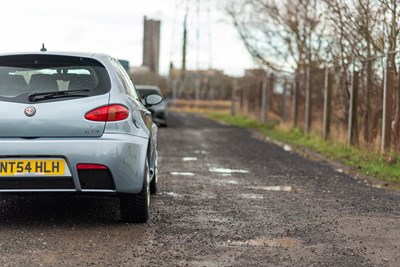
24,75
125,80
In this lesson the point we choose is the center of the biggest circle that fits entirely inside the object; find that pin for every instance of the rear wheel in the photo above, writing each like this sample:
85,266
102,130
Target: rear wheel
135,207
154,182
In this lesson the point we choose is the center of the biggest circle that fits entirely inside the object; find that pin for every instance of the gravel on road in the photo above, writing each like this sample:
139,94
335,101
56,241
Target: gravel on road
225,198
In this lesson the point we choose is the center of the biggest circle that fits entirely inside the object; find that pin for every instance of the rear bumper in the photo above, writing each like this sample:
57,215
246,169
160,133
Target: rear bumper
124,155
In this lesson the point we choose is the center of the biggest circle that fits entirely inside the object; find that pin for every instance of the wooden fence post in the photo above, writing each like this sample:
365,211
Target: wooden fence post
174,90
269,89
264,110
387,107
197,92
235,89
327,104
295,102
283,105
352,137
308,104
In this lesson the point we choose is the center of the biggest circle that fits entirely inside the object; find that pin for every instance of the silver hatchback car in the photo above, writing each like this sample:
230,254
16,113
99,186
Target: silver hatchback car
74,123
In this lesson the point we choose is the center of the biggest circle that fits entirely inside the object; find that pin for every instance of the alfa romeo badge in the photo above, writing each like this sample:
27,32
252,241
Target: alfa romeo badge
30,111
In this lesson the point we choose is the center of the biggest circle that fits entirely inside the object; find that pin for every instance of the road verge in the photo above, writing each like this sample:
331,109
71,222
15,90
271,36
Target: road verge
384,168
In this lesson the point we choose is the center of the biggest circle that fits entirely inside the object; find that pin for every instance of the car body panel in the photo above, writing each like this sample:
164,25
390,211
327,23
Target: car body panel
123,154
52,119
59,130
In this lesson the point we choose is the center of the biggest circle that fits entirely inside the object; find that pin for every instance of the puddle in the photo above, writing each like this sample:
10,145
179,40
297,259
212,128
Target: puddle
189,159
227,171
182,173
228,182
274,188
252,196
208,196
270,242
172,194
223,123
218,220
385,185
201,152
224,181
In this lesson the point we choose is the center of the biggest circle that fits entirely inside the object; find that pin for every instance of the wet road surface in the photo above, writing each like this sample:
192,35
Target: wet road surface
226,198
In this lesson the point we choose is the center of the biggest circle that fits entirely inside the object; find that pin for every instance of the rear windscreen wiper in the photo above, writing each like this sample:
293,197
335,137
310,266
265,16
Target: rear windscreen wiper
34,97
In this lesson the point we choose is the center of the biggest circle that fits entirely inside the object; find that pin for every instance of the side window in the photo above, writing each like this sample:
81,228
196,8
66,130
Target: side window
126,81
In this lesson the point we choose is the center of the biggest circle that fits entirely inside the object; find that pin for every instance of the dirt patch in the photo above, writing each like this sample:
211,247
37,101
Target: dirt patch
270,242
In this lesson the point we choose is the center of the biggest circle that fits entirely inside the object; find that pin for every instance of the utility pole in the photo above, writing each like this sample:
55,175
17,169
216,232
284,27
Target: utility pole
352,135
387,106
308,104
263,115
198,75
295,101
184,46
327,104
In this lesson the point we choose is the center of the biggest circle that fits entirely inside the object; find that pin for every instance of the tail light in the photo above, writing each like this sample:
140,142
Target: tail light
113,112
84,166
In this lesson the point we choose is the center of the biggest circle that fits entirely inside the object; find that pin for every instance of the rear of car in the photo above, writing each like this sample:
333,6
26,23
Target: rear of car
71,123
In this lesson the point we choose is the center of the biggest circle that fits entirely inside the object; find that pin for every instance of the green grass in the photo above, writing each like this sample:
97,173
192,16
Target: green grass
366,162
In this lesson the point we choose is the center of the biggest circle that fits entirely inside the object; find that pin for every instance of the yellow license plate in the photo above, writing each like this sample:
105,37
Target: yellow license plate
11,167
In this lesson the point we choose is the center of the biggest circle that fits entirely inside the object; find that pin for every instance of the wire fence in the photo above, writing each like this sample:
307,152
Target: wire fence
358,104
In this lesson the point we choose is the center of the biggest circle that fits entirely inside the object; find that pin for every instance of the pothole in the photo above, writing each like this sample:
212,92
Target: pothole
286,242
382,185
226,171
189,159
224,181
284,188
201,152
172,194
287,148
208,195
252,196
182,173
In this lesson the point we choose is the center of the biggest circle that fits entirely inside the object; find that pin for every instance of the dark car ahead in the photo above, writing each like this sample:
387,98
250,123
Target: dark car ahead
158,112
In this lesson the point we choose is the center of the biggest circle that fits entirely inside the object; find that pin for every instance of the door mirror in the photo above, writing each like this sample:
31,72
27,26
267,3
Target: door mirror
153,99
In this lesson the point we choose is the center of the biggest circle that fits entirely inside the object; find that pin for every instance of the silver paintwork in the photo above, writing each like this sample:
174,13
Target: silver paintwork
58,129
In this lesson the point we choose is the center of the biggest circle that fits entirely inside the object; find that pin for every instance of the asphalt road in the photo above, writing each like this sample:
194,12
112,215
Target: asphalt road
226,198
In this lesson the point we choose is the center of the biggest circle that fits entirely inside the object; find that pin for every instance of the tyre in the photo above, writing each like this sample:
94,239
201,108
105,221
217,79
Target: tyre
154,181
135,207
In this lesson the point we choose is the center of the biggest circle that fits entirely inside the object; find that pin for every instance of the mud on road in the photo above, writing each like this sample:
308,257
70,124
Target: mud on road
225,199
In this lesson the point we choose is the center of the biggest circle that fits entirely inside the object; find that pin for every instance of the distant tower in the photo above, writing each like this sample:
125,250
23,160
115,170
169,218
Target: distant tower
151,44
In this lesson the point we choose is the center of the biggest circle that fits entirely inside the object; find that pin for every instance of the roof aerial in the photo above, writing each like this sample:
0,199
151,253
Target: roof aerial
43,49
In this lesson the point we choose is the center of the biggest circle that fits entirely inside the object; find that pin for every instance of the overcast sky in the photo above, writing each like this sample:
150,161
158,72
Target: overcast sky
116,27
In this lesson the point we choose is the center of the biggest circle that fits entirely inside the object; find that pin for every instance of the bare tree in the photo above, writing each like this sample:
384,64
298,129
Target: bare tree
347,35
280,34
391,23
355,37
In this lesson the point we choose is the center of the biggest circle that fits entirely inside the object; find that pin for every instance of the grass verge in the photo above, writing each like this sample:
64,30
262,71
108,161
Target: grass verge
366,162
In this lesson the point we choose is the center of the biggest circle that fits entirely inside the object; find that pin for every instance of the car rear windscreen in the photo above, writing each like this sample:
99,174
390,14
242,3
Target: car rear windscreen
21,76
